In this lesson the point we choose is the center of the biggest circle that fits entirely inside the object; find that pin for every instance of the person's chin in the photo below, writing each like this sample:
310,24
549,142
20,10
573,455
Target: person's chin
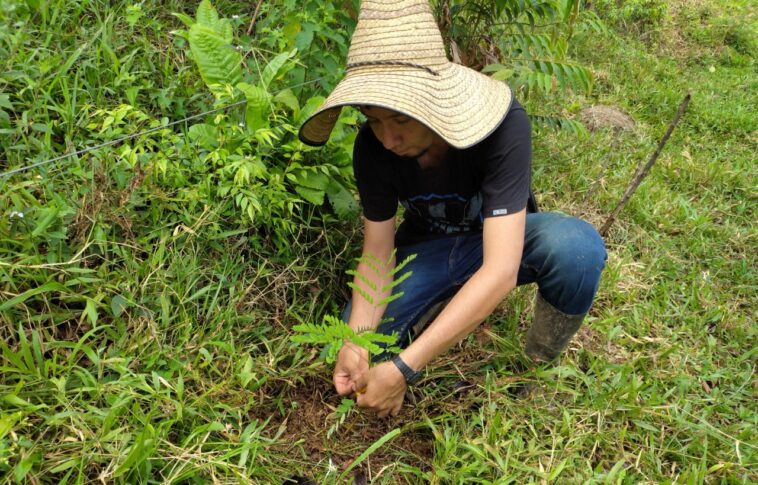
410,153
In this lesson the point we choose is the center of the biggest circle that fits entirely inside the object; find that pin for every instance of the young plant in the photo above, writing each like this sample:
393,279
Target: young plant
334,332
340,415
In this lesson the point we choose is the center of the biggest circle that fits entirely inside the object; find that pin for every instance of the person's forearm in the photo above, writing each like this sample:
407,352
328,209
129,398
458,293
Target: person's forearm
474,302
365,314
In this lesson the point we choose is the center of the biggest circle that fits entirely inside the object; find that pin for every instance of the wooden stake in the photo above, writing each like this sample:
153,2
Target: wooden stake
255,17
642,173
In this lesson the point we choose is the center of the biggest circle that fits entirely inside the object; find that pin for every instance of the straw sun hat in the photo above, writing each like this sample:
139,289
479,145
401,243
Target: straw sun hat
397,61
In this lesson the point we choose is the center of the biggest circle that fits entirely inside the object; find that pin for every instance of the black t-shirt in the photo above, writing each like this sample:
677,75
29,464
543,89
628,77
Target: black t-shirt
489,179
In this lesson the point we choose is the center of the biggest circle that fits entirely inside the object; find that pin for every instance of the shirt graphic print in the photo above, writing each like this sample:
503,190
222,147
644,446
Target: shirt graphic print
444,214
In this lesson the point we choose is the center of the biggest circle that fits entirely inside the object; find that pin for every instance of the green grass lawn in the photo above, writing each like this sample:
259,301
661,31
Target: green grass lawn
146,334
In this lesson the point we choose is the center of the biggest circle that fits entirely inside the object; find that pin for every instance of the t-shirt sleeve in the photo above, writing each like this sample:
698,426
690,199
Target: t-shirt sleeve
378,197
507,163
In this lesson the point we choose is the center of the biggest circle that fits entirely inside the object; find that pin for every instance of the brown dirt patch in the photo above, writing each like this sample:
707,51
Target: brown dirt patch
107,202
601,116
301,429
301,414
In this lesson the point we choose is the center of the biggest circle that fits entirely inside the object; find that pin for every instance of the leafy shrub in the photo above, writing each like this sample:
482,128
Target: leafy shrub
239,171
522,42
320,31
257,160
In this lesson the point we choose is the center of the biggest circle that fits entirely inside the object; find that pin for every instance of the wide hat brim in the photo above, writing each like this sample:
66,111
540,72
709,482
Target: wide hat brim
461,105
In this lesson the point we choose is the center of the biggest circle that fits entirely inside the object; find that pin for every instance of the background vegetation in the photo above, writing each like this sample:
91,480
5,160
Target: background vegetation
148,289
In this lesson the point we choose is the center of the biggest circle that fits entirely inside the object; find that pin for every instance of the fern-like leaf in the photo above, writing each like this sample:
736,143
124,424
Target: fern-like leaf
363,278
342,201
397,281
219,63
531,74
324,333
363,293
557,123
186,19
207,14
225,30
399,267
333,333
372,262
391,298
371,340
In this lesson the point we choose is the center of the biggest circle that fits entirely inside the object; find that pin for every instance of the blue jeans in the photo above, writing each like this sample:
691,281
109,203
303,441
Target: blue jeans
562,254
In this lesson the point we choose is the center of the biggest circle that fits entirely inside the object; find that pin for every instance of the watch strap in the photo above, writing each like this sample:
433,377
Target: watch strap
410,375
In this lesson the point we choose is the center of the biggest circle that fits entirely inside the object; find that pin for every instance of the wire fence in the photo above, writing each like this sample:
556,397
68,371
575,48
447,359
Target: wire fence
137,135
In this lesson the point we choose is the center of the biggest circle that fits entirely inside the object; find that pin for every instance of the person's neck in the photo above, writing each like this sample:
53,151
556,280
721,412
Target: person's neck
433,155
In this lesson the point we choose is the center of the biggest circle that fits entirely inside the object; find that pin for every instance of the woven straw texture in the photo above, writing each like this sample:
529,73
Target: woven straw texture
397,61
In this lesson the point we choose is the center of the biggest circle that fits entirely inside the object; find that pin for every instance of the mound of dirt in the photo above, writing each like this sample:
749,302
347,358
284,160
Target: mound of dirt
301,414
600,116
303,428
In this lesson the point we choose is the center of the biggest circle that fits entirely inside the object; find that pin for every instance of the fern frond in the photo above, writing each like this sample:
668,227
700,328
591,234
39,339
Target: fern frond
533,10
389,299
258,106
363,278
521,44
324,333
539,73
207,14
219,63
340,414
372,262
397,281
557,123
225,30
371,340
403,263
363,293
335,320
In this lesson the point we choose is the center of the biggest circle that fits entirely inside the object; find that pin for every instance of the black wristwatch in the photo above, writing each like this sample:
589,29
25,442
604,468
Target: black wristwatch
410,375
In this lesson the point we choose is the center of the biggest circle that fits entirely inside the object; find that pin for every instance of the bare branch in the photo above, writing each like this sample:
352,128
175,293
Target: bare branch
642,173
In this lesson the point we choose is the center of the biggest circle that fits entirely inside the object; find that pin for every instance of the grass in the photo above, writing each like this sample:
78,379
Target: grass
145,336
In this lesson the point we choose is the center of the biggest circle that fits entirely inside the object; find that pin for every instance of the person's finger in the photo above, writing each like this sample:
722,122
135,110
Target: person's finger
343,390
360,383
396,409
342,384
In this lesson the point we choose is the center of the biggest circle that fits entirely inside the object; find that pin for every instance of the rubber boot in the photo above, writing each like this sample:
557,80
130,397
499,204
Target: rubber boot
550,332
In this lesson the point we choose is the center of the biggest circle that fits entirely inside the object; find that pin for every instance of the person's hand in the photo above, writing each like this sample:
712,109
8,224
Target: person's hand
352,364
384,389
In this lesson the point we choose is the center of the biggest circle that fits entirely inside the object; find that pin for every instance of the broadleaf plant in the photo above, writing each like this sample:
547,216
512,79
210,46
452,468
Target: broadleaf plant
211,45
253,158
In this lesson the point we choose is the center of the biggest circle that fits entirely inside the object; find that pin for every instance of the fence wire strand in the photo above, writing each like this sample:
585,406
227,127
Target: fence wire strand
142,133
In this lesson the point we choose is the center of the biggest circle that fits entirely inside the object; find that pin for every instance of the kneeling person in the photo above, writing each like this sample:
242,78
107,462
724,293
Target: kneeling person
453,147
